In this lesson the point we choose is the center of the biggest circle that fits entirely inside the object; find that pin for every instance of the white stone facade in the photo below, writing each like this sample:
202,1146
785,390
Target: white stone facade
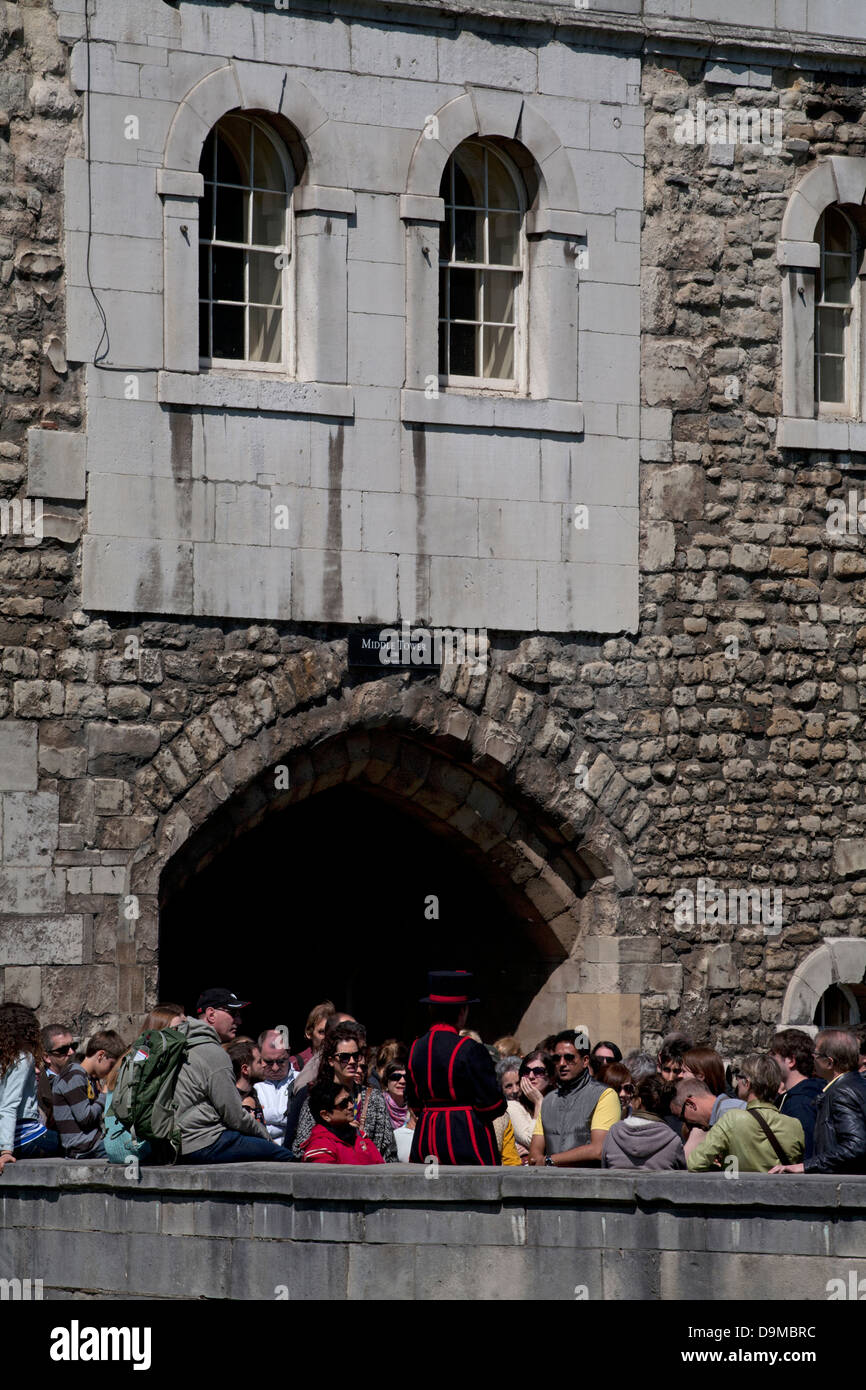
445,506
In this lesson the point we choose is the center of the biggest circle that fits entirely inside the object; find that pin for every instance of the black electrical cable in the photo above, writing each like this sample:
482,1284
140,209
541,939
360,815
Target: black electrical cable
104,336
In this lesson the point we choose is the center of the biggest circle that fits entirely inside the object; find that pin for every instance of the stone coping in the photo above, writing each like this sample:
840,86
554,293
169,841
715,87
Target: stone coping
410,1184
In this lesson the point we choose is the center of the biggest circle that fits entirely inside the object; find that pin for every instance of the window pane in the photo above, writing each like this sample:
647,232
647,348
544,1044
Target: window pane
837,233
499,299
464,356
501,192
504,238
269,219
468,235
203,330
228,273
265,278
465,290
228,331
469,174
265,335
231,214
205,215
204,272
831,330
831,380
498,352
837,280
267,166
205,164
443,349
443,292
233,140
445,237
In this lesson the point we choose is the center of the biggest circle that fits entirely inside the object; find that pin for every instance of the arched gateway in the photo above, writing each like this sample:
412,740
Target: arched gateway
302,858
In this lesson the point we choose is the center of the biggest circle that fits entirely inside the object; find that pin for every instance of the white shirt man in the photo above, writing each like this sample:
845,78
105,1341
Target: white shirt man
275,1091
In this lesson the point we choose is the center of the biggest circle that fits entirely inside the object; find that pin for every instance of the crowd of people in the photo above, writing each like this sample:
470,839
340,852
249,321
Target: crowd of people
800,1106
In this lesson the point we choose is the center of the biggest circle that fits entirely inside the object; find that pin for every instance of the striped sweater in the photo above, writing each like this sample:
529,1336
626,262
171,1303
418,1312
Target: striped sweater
77,1111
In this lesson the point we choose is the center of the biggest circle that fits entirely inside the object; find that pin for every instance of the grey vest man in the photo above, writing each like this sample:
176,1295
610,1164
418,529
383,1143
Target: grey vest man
577,1115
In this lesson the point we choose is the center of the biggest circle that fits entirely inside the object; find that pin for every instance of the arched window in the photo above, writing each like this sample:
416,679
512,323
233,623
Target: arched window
840,1006
482,261
836,327
244,245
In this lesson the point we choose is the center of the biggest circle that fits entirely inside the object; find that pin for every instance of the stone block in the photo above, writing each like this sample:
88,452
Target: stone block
56,464
27,890
413,525
849,857
343,588
240,581
319,517
18,756
120,505
137,575
594,597
483,593
23,983
137,326
609,367
30,827
46,941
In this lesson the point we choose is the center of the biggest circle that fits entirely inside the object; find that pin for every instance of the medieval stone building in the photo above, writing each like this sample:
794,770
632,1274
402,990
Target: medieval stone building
541,319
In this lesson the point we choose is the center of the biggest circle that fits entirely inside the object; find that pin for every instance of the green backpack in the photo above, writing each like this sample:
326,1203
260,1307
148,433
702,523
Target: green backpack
143,1098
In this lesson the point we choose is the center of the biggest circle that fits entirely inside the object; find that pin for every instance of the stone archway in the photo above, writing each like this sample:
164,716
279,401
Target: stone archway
839,961
562,851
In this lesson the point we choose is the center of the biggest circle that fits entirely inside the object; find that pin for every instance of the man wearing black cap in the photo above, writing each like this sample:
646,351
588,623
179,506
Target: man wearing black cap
452,1082
214,1126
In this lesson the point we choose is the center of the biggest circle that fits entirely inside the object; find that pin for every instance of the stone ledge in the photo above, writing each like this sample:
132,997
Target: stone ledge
411,1184
803,433
255,391
485,411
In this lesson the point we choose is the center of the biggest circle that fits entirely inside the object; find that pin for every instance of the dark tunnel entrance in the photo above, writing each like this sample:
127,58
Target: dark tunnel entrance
326,899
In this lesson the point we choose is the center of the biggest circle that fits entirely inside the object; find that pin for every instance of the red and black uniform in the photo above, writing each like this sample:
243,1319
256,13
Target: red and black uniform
453,1089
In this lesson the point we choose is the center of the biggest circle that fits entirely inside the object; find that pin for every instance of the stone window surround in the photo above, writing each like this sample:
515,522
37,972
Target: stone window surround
552,228
838,961
838,179
321,207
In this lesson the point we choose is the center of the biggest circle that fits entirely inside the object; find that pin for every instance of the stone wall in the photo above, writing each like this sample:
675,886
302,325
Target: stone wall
256,1231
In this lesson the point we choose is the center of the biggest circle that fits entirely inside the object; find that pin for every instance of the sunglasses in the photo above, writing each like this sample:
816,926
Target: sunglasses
348,1056
61,1051
397,1076
536,1071
627,1090
341,1104
276,1062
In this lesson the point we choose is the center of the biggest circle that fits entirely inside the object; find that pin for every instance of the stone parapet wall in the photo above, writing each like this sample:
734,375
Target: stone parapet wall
257,1231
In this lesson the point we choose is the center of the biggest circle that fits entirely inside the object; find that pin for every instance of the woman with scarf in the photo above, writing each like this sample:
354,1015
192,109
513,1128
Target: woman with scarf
402,1118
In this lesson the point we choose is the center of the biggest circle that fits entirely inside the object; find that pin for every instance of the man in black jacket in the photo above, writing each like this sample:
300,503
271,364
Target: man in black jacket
840,1124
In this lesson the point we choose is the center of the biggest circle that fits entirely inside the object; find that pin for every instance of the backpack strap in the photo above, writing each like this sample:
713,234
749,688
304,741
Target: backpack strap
777,1147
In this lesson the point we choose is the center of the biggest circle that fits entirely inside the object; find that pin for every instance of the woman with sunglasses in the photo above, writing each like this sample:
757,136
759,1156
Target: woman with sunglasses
344,1057
22,1133
536,1076
402,1118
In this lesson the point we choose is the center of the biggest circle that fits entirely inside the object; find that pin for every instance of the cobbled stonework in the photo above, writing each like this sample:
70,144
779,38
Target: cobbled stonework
594,775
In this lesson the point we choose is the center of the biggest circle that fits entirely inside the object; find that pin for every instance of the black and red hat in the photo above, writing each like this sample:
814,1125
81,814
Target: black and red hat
449,987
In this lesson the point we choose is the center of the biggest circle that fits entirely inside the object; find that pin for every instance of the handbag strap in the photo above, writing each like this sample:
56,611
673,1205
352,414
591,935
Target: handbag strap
779,1151
364,1108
